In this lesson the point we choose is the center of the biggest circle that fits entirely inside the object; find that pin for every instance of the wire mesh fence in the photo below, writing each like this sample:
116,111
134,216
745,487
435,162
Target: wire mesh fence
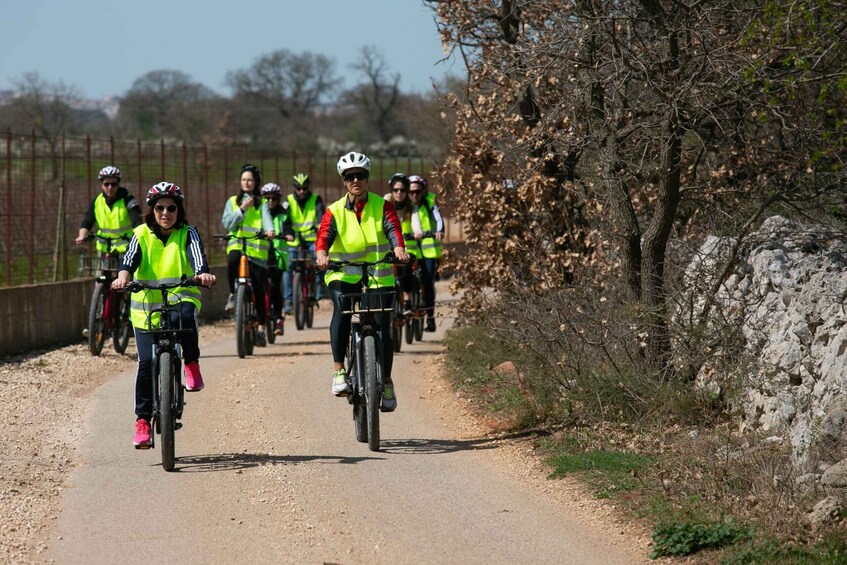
47,184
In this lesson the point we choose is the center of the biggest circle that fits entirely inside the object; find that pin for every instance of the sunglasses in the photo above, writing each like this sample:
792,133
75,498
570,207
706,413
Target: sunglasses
272,197
415,191
399,190
301,188
170,208
110,184
350,177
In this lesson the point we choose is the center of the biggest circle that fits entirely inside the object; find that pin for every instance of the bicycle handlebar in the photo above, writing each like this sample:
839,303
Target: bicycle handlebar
184,281
389,257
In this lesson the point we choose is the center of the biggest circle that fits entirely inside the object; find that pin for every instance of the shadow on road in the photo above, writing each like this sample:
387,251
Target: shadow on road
435,446
236,461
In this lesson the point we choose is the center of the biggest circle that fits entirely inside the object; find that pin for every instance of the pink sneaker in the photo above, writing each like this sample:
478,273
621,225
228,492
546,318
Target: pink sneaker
193,378
142,434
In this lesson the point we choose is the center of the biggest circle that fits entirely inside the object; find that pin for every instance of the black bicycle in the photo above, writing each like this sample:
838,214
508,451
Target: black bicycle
168,388
246,319
108,313
365,367
303,285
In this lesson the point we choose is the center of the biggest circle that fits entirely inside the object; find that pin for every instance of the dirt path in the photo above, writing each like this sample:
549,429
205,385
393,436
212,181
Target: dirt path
269,471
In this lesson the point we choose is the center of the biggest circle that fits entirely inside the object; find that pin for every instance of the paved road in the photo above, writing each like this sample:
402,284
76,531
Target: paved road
269,471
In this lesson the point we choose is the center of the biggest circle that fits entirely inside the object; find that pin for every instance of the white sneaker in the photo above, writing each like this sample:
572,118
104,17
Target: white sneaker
230,303
339,383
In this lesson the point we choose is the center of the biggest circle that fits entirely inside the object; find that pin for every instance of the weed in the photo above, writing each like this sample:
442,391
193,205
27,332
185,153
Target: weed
687,538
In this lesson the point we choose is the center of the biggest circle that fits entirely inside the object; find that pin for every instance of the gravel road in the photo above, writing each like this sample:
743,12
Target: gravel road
269,471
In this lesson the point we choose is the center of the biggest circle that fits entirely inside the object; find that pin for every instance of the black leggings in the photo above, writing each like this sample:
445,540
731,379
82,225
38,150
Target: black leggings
144,343
276,292
257,278
340,326
428,269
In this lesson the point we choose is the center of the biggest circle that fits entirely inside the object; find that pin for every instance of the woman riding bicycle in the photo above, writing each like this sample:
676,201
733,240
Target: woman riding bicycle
433,225
306,210
245,216
362,226
410,221
164,247
278,254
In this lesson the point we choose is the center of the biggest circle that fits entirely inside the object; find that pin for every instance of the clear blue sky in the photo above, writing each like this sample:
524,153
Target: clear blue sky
102,46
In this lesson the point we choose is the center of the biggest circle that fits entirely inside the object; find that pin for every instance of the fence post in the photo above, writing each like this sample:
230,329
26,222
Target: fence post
112,150
184,167
206,190
32,211
138,164
88,167
9,206
162,152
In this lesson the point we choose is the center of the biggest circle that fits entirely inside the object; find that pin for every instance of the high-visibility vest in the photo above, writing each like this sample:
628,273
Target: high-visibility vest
160,263
360,241
430,247
412,247
280,250
304,221
251,225
113,223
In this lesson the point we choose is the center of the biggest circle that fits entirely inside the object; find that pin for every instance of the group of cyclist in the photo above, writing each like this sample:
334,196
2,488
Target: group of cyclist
159,245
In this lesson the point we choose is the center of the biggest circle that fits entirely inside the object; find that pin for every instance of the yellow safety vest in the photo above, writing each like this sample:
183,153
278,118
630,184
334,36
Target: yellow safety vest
357,241
430,247
304,221
160,263
251,225
113,223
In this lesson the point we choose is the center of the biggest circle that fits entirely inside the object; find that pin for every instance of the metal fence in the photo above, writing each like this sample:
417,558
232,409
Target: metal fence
46,186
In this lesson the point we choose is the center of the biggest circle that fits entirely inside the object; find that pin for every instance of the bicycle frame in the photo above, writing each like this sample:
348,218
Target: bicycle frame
109,320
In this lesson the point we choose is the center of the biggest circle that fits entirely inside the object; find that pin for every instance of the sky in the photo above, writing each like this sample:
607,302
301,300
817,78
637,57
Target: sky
101,46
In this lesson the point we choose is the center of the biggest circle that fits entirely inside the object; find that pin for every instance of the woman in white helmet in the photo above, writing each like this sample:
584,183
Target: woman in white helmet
359,222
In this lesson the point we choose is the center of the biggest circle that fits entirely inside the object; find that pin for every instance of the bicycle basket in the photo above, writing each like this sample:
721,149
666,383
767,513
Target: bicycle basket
381,300
95,264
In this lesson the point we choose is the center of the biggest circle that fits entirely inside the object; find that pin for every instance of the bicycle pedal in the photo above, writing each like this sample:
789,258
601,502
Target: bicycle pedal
178,426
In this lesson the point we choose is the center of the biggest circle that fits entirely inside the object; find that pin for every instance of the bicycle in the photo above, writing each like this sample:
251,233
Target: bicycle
415,322
246,320
364,374
168,388
303,285
399,318
108,313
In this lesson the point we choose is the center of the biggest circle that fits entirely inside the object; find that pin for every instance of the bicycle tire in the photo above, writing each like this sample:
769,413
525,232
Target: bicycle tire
269,327
123,325
297,304
252,325
96,323
167,416
360,412
373,393
396,324
418,324
242,331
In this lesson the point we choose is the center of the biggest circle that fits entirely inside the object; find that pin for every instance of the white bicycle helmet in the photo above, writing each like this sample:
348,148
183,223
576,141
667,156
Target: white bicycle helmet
164,189
271,188
353,160
109,171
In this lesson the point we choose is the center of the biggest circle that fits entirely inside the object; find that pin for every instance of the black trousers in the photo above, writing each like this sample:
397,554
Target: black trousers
257,278
144,342
340,328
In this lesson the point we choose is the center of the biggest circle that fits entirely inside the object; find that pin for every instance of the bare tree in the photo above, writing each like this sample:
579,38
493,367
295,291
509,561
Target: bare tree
379,97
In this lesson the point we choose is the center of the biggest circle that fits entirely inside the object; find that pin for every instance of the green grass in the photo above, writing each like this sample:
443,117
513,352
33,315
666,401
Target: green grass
832,550
690,537
608,472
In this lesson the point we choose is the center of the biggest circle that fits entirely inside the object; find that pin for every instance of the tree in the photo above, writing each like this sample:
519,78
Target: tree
46,107
292,84
167,103
379,97
634,123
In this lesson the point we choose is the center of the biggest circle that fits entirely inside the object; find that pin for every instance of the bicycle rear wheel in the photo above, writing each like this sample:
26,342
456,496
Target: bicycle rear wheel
242,322
123,326
373,394
167,416
96,323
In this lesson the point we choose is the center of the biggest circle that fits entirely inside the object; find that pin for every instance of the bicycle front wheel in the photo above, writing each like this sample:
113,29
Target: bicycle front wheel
123,326
242,321
298,304
96,322
373,394
167,416
360,410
